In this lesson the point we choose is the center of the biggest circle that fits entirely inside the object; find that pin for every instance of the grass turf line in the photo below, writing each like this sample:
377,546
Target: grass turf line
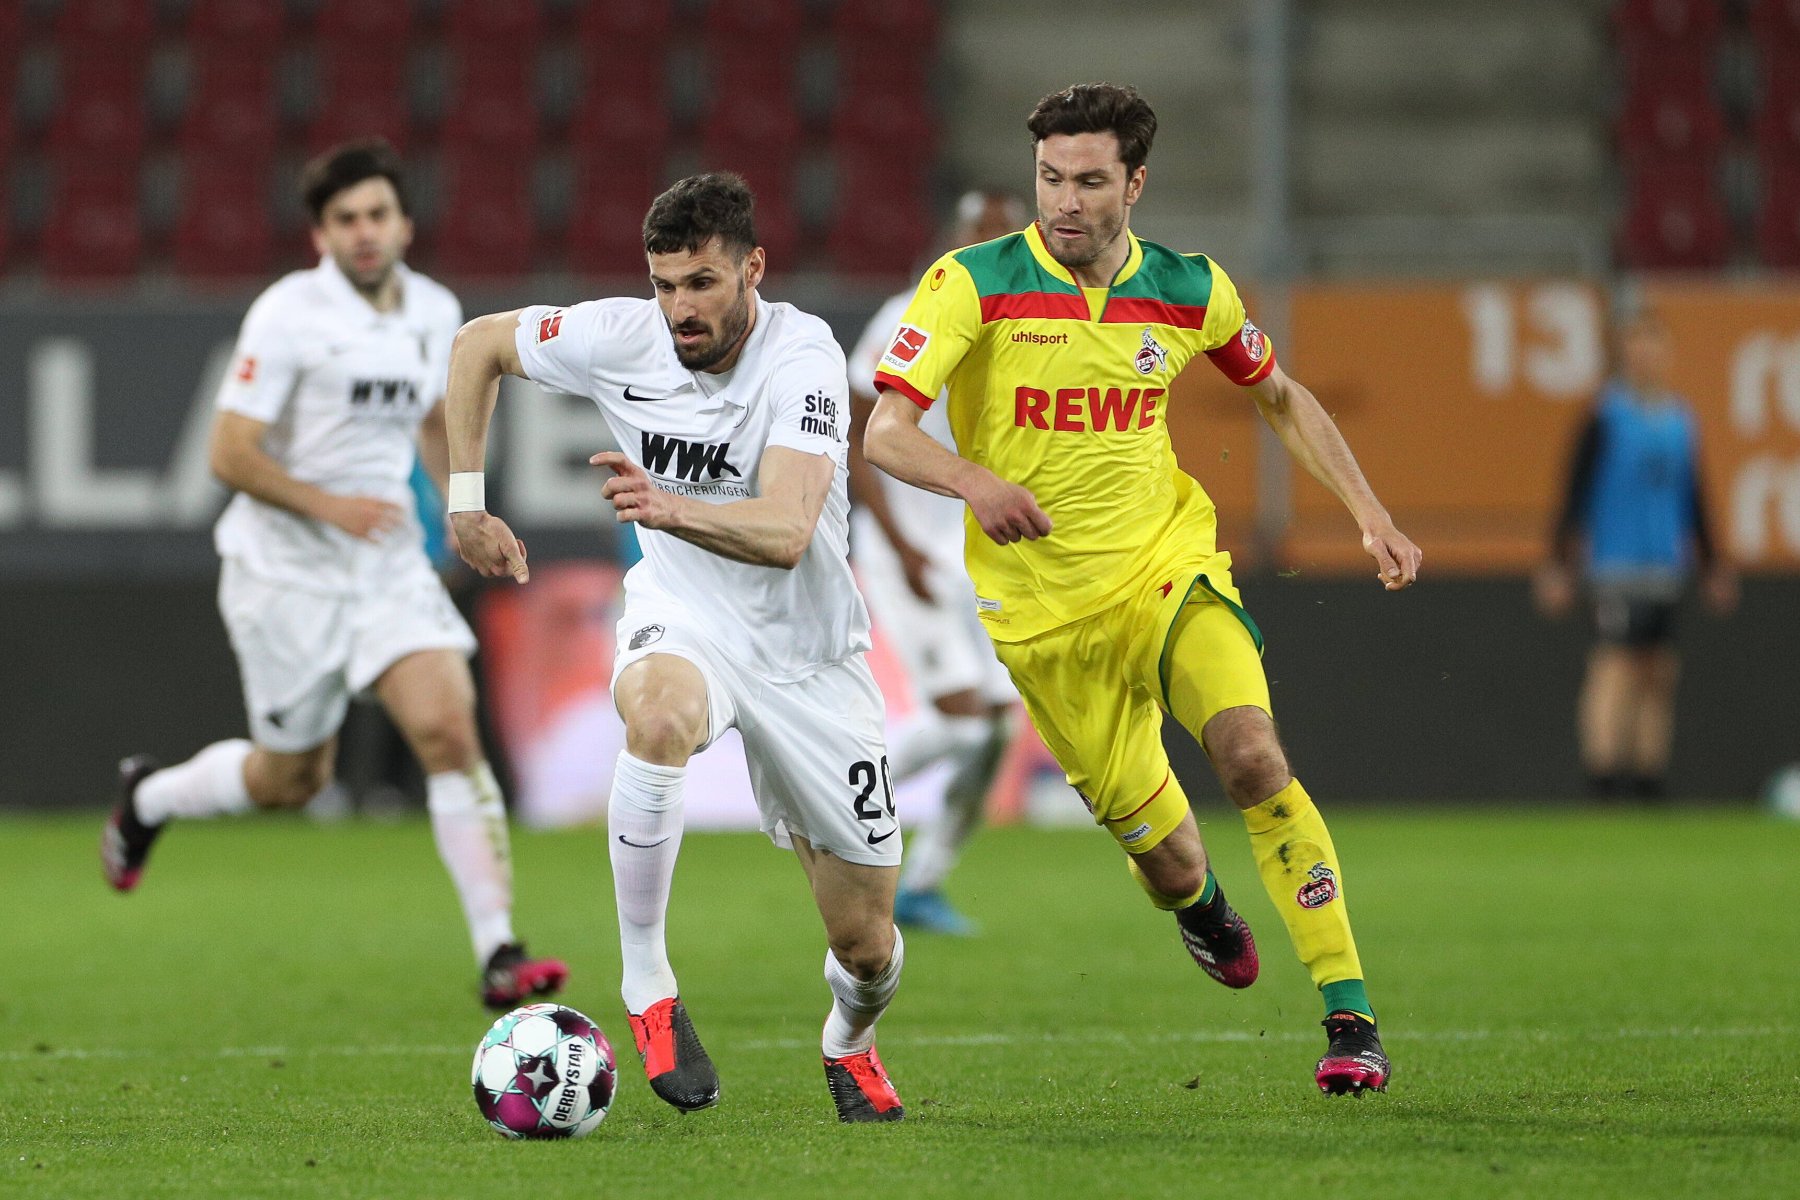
1585,1004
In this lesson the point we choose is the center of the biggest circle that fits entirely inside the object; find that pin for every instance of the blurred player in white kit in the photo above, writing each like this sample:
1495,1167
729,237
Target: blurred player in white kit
907,545
732,418
325,587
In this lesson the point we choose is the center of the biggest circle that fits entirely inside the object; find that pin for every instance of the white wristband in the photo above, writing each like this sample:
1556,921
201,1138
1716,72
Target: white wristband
468,491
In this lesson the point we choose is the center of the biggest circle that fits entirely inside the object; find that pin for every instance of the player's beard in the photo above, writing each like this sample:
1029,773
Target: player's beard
1101,235
370,281
712,351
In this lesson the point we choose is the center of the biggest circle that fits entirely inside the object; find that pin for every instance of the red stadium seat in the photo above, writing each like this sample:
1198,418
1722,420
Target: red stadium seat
902,27
1778,216
516,26
94,231
1665,25
223,231
606,219
489,227
1675,220
99,125
1658,124
762,27
496,123
622,113
111,26
1775,24
879,223
751,117
619,31
231,108
878,116
246,29
362,95
365,26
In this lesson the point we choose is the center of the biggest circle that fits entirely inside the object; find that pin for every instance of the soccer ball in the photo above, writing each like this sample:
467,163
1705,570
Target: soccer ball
544,1071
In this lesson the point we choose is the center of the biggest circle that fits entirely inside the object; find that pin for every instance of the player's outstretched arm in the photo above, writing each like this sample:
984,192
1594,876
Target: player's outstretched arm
866,491
483,351
894,442
239,462
772,529
1312,437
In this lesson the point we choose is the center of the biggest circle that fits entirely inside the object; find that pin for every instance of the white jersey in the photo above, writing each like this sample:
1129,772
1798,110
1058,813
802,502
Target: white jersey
703,435
932,523
343,389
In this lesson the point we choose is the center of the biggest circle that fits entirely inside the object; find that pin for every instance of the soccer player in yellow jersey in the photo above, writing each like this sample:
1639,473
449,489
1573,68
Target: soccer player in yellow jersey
1098,577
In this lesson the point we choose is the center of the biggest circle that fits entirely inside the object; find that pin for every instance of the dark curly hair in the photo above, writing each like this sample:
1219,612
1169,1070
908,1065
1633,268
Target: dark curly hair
698,209
346,166
1098,108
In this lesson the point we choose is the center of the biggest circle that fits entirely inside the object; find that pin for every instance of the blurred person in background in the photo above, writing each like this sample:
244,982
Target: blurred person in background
1633,528
907,546
335,387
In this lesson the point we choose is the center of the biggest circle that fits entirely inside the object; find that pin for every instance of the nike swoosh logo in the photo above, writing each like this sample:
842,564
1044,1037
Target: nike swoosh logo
642,845
643,399
876,841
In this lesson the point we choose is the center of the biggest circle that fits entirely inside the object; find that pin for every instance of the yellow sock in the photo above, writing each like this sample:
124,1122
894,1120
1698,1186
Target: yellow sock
1166,903
1300,870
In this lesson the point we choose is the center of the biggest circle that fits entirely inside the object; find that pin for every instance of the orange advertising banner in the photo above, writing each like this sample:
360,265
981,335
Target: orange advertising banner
1461,402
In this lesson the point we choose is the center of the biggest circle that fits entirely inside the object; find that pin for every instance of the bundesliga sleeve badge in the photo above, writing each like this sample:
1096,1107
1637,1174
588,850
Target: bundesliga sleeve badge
549,326
909,343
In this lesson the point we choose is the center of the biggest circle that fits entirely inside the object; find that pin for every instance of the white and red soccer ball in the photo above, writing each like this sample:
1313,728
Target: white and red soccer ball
544,1071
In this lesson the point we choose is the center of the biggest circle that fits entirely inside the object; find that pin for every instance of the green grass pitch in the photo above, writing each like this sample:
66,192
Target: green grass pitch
1577,1003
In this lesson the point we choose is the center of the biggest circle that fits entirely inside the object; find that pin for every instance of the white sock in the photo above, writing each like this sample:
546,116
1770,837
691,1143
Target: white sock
932,738
931,855
857,1004
210,784
643,834
468,819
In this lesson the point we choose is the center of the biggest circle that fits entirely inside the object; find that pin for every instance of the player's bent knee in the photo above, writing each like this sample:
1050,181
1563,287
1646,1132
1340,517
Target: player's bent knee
865,952
446,742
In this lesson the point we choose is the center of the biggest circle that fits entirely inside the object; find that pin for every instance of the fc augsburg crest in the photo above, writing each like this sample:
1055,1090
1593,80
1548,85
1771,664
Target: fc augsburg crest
1152,357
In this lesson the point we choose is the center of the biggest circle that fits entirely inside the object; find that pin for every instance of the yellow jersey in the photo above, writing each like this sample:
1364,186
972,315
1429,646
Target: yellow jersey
1062,389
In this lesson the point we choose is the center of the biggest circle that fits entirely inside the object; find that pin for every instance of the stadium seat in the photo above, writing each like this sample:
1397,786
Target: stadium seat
879,115
99,123
494,120
1775,26
1690,26
223,231
1667,124
879,222
622,113
903,27
94,232
1778,216
231,108
362,95
365,26
488,229
751,117
774,27
246,29
1675,220
482,25
623,30
1777,121
606,216
106,26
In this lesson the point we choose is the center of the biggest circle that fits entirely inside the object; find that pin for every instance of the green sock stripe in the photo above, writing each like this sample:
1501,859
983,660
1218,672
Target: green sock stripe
1209,889
1347,994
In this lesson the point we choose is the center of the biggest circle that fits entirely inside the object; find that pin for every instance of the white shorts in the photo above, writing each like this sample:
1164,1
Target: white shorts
941,643
303,655
815,747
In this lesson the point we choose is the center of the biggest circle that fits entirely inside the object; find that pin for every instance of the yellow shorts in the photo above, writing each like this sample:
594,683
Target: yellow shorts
1097,689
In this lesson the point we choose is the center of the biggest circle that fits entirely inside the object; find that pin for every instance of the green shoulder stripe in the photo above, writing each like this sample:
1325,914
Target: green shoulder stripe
1006,267
1184,279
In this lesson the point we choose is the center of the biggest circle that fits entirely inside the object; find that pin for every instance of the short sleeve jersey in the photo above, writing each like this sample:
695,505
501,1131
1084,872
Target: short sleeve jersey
932,523
703,435
342,389
1062,389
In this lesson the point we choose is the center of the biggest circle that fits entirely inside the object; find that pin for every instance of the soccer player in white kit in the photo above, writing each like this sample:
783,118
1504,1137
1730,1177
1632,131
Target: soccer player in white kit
732,418
325,587
907,545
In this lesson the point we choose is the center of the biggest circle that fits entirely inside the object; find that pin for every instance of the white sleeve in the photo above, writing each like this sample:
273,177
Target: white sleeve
865,359
264,366
812,401
556,345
